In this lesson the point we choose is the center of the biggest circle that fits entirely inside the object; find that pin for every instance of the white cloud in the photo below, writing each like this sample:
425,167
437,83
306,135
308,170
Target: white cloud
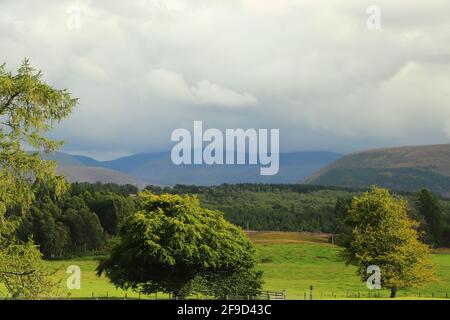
208,93
172,86
309,68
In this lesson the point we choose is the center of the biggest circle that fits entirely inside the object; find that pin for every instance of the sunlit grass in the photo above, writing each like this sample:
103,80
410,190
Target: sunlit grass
290,261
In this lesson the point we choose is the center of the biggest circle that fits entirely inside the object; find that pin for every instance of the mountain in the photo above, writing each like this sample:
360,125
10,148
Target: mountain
157,168
63,159
403,168
97,174
85,169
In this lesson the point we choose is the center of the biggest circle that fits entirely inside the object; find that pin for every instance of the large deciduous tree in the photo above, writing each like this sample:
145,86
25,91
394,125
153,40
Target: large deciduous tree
174,245
384,235
28,108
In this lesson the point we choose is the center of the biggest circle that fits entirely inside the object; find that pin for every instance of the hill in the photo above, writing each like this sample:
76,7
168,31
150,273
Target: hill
403,168
97,174
63,159
157,168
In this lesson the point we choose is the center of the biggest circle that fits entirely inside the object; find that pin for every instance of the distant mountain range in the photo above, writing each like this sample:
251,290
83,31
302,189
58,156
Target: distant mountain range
404,168
157,168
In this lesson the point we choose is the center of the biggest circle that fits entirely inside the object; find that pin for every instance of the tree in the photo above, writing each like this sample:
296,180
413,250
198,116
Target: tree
428,206
41,224
28,108
343,225
24,273
229,284
384,236
62,226
111,208
174,245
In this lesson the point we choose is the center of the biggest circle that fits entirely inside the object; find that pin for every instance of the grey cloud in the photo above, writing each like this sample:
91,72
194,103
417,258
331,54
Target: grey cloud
143,68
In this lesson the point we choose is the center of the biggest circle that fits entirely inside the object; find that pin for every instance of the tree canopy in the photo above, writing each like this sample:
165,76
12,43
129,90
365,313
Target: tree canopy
384,235
174,245
28,108
434,226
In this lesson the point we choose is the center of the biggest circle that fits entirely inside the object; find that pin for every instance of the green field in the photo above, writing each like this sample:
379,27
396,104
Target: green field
291,261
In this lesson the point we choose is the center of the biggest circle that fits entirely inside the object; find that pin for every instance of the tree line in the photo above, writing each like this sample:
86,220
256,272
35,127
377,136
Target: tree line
80,221
88,216
296,207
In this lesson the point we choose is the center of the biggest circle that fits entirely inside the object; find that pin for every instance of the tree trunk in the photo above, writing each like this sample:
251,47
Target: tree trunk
393,292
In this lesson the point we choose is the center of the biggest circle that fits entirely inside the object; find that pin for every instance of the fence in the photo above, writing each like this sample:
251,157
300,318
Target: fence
264,295
272,295
279,295
372,294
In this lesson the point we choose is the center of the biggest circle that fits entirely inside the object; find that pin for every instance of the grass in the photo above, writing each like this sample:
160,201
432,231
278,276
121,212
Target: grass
92,286
291,261
297,265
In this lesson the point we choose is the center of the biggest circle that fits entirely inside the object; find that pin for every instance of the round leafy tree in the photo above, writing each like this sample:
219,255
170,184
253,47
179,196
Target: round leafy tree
173,245
384,235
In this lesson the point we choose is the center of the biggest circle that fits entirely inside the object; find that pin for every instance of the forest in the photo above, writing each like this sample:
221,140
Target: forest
79,222
87,218
299,207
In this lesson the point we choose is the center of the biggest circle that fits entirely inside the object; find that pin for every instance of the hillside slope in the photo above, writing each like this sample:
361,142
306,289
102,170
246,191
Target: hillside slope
158,168
97,174
404,168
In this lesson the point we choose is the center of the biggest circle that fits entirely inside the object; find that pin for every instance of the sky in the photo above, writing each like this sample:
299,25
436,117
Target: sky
313,69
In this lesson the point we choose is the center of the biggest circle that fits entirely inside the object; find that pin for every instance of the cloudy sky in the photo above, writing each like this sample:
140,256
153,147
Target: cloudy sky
313,69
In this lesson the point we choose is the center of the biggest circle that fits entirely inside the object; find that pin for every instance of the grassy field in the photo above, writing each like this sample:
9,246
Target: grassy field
294,262
291,261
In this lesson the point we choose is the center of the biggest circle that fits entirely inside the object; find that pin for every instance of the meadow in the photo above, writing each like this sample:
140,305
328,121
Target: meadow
290,260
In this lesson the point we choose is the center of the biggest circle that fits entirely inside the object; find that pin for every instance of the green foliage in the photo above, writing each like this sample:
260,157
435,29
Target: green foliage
289,207
225,284
28,108
429,207
75,223
111,208
78,188
172,242
270,207
407,179
344,224
383,235
24,273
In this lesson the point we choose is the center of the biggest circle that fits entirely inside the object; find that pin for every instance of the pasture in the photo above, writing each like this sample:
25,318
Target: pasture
290,260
